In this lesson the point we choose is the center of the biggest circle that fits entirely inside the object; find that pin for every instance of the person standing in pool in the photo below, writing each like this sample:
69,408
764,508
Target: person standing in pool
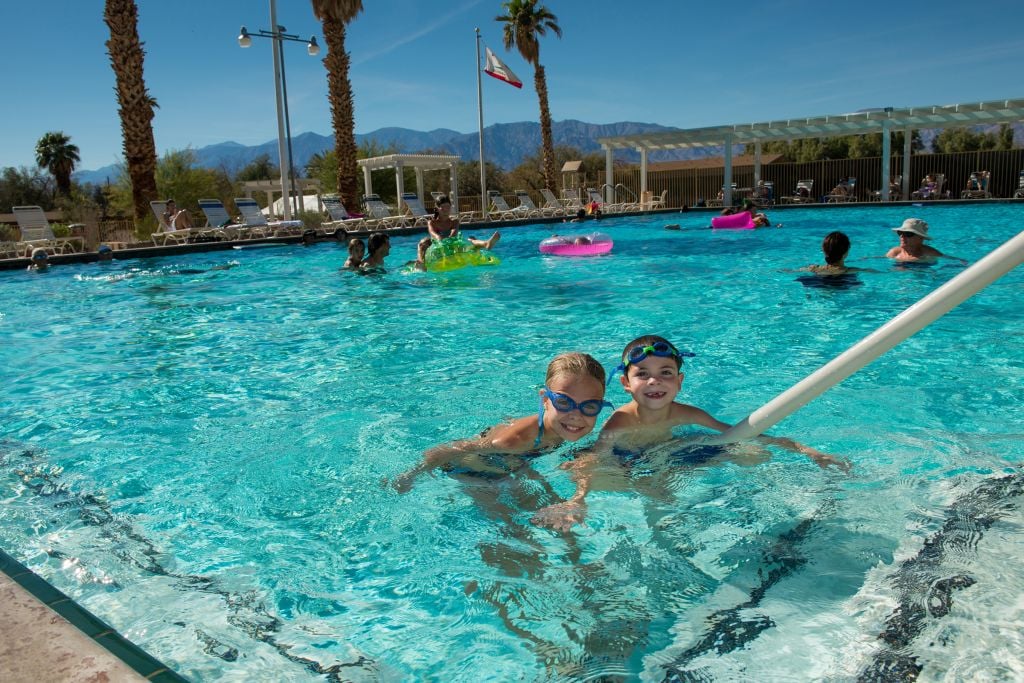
835,246
379,246
652,375
443,226
571,400
421,255
913,234
40,259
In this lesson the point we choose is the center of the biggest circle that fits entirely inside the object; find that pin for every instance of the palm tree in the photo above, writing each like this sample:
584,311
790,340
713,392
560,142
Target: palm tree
56,154
335,16
525,22
135,103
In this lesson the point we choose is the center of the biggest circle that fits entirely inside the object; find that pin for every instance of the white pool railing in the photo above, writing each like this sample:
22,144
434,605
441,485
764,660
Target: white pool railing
926,311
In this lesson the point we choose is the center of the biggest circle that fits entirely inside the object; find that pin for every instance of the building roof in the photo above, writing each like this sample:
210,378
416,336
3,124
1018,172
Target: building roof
712,162
426,162
572,166
857,123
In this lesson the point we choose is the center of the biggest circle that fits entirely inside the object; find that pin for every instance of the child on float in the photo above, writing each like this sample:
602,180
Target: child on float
652,375
443,226
570,402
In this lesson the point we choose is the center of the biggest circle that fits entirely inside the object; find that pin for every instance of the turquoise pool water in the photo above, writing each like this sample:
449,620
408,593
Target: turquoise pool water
194,449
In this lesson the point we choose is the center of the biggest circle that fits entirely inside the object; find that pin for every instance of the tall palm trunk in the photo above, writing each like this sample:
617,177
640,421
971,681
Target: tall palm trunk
135,104
547,143
339,93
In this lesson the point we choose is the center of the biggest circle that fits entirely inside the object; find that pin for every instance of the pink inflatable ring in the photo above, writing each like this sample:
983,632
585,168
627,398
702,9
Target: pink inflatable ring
577,245
737,221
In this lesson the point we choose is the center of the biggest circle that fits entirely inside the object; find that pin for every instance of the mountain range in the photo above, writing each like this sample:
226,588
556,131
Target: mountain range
507,144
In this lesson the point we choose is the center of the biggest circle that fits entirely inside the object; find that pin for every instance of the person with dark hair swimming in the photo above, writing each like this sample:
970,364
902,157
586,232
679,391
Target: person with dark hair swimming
652,375
838,275
378,246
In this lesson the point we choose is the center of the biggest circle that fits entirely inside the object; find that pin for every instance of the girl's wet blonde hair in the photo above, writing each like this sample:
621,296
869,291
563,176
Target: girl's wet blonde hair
575,364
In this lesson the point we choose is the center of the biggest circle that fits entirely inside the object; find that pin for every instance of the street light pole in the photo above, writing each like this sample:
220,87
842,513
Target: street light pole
284,129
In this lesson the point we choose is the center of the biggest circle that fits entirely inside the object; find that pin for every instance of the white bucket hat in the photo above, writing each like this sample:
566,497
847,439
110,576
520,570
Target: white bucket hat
916,226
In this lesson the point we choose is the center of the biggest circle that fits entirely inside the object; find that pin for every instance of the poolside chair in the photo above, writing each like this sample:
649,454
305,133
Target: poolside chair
977,186
1019,194
529,208
380,214
36,232
254,220
571,200
895,190
500,209
763,194
931,187
341,219
604,207
419,214
167,232
843,192
804,192
658,202
219,225
552,203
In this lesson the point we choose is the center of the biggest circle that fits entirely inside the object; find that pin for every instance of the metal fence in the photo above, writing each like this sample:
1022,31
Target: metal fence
687,186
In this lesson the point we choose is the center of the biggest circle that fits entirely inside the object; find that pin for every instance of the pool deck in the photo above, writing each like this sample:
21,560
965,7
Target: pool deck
46,637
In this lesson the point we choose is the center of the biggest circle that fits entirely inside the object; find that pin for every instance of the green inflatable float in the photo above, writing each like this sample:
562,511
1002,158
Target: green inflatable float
456,252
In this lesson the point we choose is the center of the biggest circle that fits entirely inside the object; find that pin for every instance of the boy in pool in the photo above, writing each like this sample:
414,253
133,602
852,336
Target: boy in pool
652,375
571,400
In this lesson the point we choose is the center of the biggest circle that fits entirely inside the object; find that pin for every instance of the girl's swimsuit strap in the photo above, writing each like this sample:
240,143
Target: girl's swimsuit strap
540,424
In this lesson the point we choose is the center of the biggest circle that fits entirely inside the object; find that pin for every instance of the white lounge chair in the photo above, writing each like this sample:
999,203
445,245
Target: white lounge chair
977,186
571,200
36,232
500,209
844,191
340,217
1019,194
931,187
419,214
659,201
380,213
255,220
803,194
167,232
220,225
526,205
551,202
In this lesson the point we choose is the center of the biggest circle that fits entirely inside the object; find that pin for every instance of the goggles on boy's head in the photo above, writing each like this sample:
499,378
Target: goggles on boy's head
564,403
659,349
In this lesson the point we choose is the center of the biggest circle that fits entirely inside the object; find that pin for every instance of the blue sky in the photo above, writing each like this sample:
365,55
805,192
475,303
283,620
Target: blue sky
669,62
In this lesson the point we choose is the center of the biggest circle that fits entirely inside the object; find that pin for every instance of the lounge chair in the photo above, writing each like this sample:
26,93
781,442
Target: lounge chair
1019,194
763,194
220,225
418,214
803,194
977,186
895,190
571,200
844,191
36,232
931,187
500,209
551,202
254,220
593,196
167,232
526,204
340,217
658,202
380,214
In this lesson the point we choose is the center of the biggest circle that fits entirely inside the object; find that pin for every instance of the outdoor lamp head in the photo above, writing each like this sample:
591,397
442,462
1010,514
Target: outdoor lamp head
313,48
243,38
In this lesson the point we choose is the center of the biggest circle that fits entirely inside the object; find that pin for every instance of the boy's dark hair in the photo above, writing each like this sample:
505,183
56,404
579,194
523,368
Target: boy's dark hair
575,363
648,340
835,245
376,241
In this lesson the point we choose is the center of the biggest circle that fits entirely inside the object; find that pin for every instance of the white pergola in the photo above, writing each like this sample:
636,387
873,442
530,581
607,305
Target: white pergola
882,121
420,163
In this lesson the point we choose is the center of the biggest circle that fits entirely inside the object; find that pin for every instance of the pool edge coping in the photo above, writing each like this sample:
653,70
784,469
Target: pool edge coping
96,630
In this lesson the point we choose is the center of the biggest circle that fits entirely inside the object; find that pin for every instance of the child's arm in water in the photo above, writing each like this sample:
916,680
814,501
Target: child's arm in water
515,437
561,516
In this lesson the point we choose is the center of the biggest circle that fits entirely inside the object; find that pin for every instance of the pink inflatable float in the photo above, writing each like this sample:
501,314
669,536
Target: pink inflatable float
577,245
737,221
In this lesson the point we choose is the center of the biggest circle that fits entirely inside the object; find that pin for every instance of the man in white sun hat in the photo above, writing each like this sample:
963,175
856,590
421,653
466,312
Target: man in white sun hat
912,234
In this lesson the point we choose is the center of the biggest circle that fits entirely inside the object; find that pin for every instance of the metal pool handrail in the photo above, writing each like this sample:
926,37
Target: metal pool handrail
926,311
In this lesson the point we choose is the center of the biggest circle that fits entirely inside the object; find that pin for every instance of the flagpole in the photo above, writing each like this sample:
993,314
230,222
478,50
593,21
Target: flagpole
480,111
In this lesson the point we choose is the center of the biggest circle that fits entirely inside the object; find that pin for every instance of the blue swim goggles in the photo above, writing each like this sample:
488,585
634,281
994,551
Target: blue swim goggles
657,349
565,404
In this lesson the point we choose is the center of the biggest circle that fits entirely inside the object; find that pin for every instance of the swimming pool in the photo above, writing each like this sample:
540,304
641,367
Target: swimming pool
193,448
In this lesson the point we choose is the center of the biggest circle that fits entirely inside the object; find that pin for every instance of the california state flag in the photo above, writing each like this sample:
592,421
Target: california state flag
500,71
